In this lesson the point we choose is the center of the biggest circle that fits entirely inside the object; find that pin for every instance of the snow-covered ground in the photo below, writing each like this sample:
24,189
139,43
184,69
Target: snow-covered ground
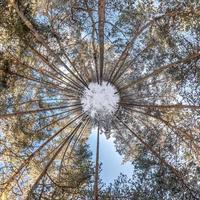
100,100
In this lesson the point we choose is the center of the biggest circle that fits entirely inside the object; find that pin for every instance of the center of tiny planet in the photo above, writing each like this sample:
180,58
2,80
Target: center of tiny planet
100,100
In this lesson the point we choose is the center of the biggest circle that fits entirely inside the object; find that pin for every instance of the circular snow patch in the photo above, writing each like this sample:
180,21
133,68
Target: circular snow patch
100,101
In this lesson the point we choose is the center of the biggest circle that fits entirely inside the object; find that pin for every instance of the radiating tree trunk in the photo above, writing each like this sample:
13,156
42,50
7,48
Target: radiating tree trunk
101,9
96,181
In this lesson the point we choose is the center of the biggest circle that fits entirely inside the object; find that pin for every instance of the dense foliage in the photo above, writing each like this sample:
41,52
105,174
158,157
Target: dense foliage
51,50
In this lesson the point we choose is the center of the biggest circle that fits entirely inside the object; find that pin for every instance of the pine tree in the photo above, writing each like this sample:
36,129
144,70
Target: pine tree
50,53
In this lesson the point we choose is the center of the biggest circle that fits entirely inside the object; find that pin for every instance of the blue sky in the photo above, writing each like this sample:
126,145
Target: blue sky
111,160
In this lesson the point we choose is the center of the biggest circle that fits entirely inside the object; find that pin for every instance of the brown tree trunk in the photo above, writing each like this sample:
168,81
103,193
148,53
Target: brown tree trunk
96,181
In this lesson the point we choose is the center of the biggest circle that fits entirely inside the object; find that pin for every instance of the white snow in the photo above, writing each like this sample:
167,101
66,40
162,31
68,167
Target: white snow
100,100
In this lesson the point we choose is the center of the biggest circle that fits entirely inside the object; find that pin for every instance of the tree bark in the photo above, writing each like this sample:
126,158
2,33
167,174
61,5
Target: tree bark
96,181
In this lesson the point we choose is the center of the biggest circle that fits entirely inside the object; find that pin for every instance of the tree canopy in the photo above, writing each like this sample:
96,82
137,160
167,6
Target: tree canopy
50,52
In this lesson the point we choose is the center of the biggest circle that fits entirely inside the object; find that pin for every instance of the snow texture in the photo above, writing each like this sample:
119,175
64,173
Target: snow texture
100,101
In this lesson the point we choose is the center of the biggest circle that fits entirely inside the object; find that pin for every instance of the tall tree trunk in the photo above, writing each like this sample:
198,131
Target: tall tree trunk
97,169
101,36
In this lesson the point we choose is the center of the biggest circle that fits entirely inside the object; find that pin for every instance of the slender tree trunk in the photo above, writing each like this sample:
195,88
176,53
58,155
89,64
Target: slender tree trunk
40,38
94,31
52,159
168,106
176,172
36,111
160,69
101,36
26,161
97,169
54,68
